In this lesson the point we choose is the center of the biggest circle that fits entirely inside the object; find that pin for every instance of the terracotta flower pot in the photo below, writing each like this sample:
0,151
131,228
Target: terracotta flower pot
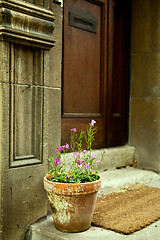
72,204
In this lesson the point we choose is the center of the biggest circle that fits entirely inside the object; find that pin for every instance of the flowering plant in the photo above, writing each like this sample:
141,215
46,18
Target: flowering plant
81,169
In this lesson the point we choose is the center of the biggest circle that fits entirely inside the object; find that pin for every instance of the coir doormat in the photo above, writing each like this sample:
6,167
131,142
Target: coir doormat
128,210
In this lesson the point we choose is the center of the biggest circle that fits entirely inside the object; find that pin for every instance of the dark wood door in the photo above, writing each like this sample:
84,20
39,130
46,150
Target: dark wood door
88,69
119,33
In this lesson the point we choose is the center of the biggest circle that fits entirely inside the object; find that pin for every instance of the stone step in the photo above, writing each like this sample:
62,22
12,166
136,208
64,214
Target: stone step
111,180
115,157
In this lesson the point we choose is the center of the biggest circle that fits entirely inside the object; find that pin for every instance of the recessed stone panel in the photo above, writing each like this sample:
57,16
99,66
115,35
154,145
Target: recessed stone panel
26,103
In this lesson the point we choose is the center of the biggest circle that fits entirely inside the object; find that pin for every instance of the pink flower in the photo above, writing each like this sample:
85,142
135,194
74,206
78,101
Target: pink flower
93,155
74,129
87,167
57,149
84,151
60,148
105,150
67,146
92,123
84,163
79,162
77,154
56,161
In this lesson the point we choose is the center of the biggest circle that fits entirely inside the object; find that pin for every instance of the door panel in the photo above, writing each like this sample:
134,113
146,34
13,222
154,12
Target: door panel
83,67
82,53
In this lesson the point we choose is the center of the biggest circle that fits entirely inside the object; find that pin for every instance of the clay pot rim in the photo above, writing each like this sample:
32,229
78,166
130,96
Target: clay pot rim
72,188
73,184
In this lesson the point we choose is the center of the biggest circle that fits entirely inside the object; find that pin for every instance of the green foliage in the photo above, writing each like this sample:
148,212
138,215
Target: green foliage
83,160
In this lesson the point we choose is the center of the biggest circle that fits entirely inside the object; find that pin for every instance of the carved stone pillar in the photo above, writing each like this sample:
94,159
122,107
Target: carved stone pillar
26,35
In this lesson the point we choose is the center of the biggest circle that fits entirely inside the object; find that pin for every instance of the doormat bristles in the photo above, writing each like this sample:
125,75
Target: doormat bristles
128,210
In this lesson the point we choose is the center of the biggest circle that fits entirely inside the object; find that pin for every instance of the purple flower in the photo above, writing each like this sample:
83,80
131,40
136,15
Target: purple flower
57,149
74,129
84,163
66,177
93,155
60,148
79,162
87,167
67,146
56,161
92,123
84,151
77,154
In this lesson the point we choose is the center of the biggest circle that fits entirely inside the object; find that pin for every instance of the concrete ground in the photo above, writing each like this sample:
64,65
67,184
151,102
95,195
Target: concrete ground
112,180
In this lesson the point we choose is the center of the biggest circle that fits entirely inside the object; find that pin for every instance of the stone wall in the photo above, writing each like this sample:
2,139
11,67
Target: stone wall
30,109
145,83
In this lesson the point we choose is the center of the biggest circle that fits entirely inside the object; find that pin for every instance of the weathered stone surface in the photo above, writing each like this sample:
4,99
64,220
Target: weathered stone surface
141,26
42,3
115,179
145,132
26,66
145,26
46,230
24,200
4,63
55,55
115,157
54,119
4,141
26,105
145,85
145,75
26,23
4,127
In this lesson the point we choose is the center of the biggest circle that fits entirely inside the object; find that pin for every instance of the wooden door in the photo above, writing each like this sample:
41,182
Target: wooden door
119,33
88,66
